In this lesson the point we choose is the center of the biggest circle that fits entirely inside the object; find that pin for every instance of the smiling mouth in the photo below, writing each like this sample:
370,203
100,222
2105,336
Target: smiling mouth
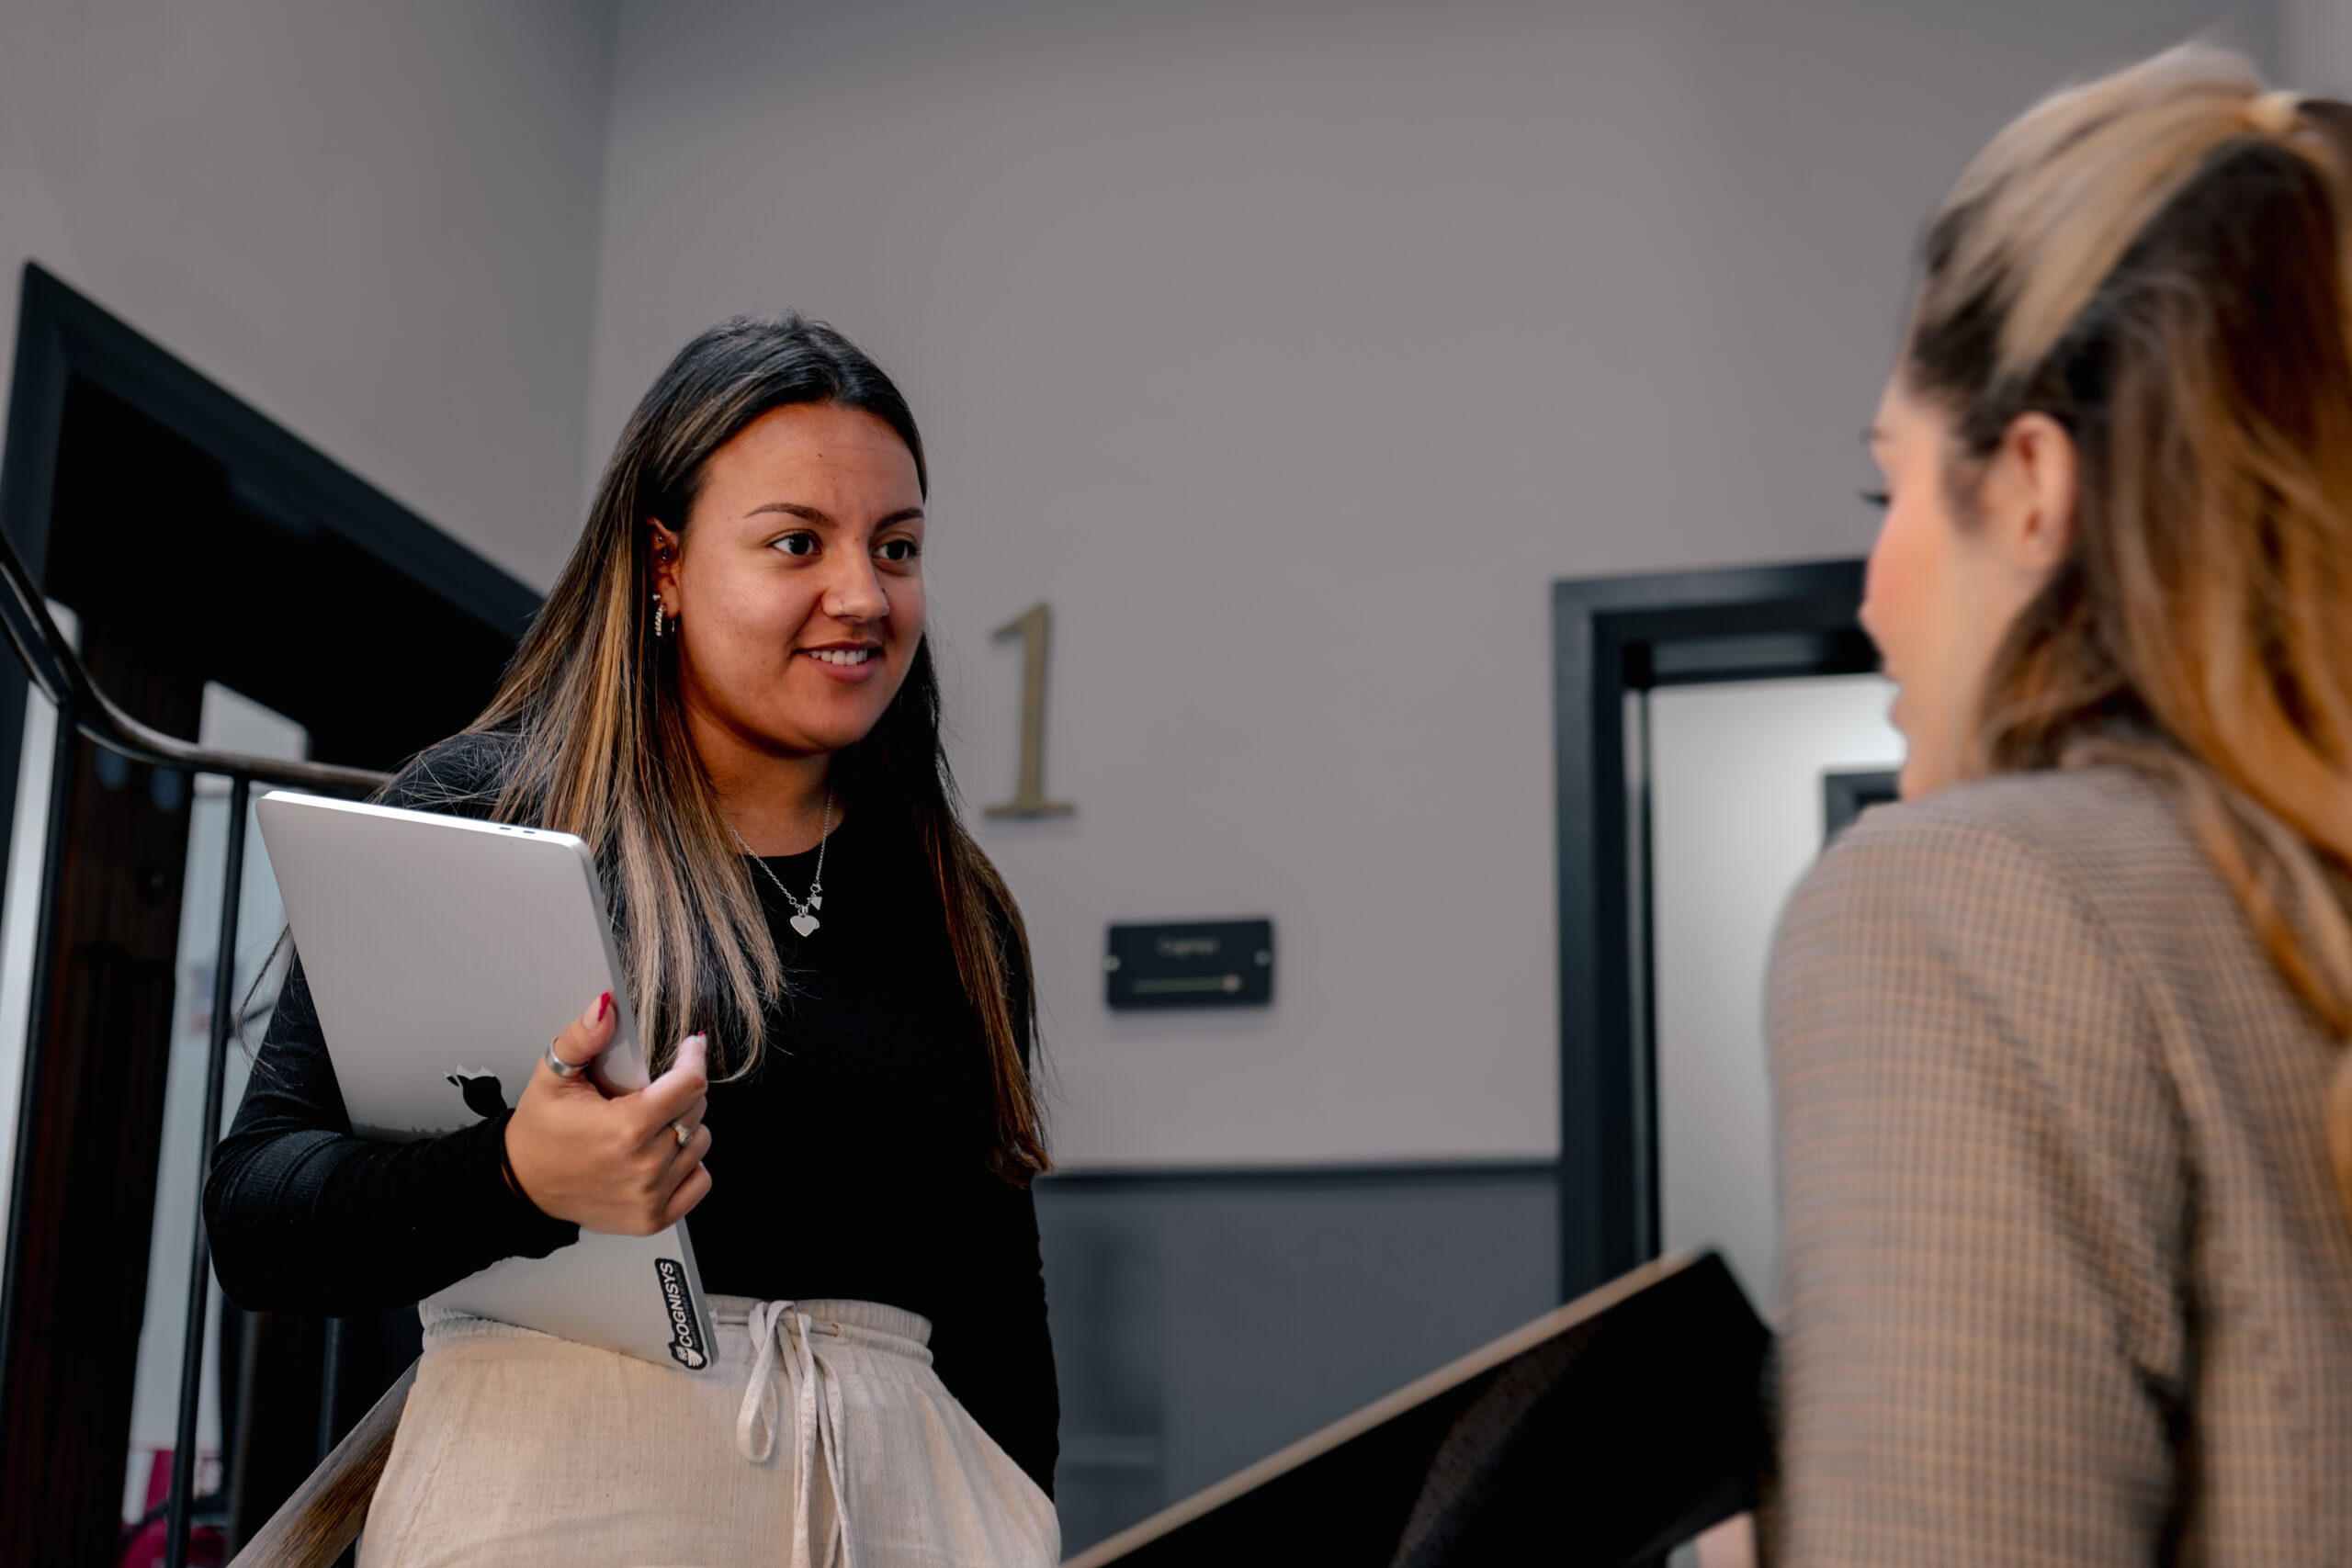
845,656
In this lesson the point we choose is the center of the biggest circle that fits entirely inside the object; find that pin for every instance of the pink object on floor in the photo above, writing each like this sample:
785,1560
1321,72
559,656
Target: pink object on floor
146,1548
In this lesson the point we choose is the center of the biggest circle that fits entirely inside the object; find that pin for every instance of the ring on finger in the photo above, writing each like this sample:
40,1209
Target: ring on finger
562,1068
679,1128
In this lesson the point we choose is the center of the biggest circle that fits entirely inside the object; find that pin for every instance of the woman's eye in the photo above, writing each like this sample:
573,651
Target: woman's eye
1877,498
897,549
797,544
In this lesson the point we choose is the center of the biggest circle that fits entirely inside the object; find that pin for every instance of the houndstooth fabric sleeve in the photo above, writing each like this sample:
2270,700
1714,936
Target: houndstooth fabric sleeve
1986,1208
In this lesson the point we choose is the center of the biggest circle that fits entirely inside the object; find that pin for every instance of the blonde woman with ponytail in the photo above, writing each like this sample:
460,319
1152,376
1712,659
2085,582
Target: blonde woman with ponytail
729,696
2060,1041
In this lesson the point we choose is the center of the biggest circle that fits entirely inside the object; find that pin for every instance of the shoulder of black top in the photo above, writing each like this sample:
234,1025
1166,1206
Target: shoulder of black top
461,775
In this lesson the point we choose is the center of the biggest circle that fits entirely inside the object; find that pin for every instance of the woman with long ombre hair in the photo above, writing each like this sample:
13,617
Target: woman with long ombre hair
2060,1041
729,696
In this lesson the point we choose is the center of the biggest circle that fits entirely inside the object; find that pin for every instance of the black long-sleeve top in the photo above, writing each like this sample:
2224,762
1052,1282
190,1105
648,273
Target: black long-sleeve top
851,1163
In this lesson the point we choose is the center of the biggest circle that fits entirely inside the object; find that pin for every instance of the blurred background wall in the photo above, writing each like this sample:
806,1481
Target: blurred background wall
1289,351
376,224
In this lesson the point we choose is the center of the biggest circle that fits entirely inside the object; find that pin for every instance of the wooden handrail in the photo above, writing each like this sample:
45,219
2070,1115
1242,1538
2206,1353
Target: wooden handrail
326,1511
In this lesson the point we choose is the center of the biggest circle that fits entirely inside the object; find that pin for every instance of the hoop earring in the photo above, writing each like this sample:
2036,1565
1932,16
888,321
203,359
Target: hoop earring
660,616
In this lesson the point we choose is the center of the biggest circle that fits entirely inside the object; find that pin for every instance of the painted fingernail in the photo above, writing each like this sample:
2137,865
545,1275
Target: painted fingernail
603,1006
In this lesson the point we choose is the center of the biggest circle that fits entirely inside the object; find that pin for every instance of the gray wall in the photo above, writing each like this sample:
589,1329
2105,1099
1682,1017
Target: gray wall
2316,43
1291,350
376,222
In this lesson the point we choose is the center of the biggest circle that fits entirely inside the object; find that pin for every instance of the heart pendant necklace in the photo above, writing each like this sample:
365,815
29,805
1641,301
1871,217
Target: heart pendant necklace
804,917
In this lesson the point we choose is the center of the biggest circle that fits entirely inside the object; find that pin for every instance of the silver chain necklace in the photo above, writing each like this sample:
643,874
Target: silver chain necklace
803,920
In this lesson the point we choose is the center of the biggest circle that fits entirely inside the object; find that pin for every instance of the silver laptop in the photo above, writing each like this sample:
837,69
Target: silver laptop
444,954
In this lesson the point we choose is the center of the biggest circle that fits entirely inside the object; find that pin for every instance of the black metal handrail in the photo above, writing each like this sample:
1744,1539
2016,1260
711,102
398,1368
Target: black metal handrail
64,680
52,664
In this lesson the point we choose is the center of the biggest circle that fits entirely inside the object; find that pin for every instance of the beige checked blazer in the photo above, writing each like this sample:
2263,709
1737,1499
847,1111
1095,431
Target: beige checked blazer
2063,1277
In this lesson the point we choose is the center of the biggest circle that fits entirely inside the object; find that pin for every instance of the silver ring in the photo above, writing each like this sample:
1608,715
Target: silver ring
679,1128
562,1068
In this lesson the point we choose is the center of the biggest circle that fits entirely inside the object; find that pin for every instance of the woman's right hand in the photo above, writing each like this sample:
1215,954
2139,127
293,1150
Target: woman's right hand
611,1163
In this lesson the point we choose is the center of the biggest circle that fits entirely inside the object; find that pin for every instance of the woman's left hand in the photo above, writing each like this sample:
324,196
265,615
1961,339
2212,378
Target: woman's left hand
625,1164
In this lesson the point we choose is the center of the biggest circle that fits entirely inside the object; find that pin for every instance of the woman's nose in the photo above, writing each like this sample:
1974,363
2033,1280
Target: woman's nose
855,592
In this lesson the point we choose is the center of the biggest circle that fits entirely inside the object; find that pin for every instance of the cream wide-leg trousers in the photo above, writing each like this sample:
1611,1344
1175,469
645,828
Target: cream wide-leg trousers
818,1437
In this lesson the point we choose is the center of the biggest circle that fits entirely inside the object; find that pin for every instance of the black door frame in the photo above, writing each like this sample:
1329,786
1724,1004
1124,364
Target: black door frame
1612,636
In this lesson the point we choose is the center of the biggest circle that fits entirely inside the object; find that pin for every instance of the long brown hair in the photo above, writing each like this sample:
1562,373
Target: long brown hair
602,748
2157,260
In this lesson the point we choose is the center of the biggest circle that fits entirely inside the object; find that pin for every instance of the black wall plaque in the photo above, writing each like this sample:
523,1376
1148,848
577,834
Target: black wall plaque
1202,964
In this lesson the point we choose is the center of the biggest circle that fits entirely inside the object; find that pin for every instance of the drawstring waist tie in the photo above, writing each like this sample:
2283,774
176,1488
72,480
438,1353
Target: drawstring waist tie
793,1348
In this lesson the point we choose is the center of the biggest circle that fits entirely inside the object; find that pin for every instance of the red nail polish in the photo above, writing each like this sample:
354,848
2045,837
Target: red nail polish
603,1006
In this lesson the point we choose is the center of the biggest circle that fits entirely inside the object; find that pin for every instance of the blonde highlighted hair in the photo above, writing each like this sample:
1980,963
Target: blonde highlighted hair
2157,261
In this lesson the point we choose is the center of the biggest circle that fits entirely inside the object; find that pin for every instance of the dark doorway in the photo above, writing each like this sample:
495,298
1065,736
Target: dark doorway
195,542
1613,640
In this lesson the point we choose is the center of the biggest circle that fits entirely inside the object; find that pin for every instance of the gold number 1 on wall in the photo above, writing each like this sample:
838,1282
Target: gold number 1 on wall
1034,629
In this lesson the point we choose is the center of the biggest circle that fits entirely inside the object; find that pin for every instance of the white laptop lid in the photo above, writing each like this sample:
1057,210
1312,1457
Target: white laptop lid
442,954
441,946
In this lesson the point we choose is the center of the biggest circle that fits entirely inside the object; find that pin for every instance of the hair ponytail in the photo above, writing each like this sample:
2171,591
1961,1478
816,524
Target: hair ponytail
2157,260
